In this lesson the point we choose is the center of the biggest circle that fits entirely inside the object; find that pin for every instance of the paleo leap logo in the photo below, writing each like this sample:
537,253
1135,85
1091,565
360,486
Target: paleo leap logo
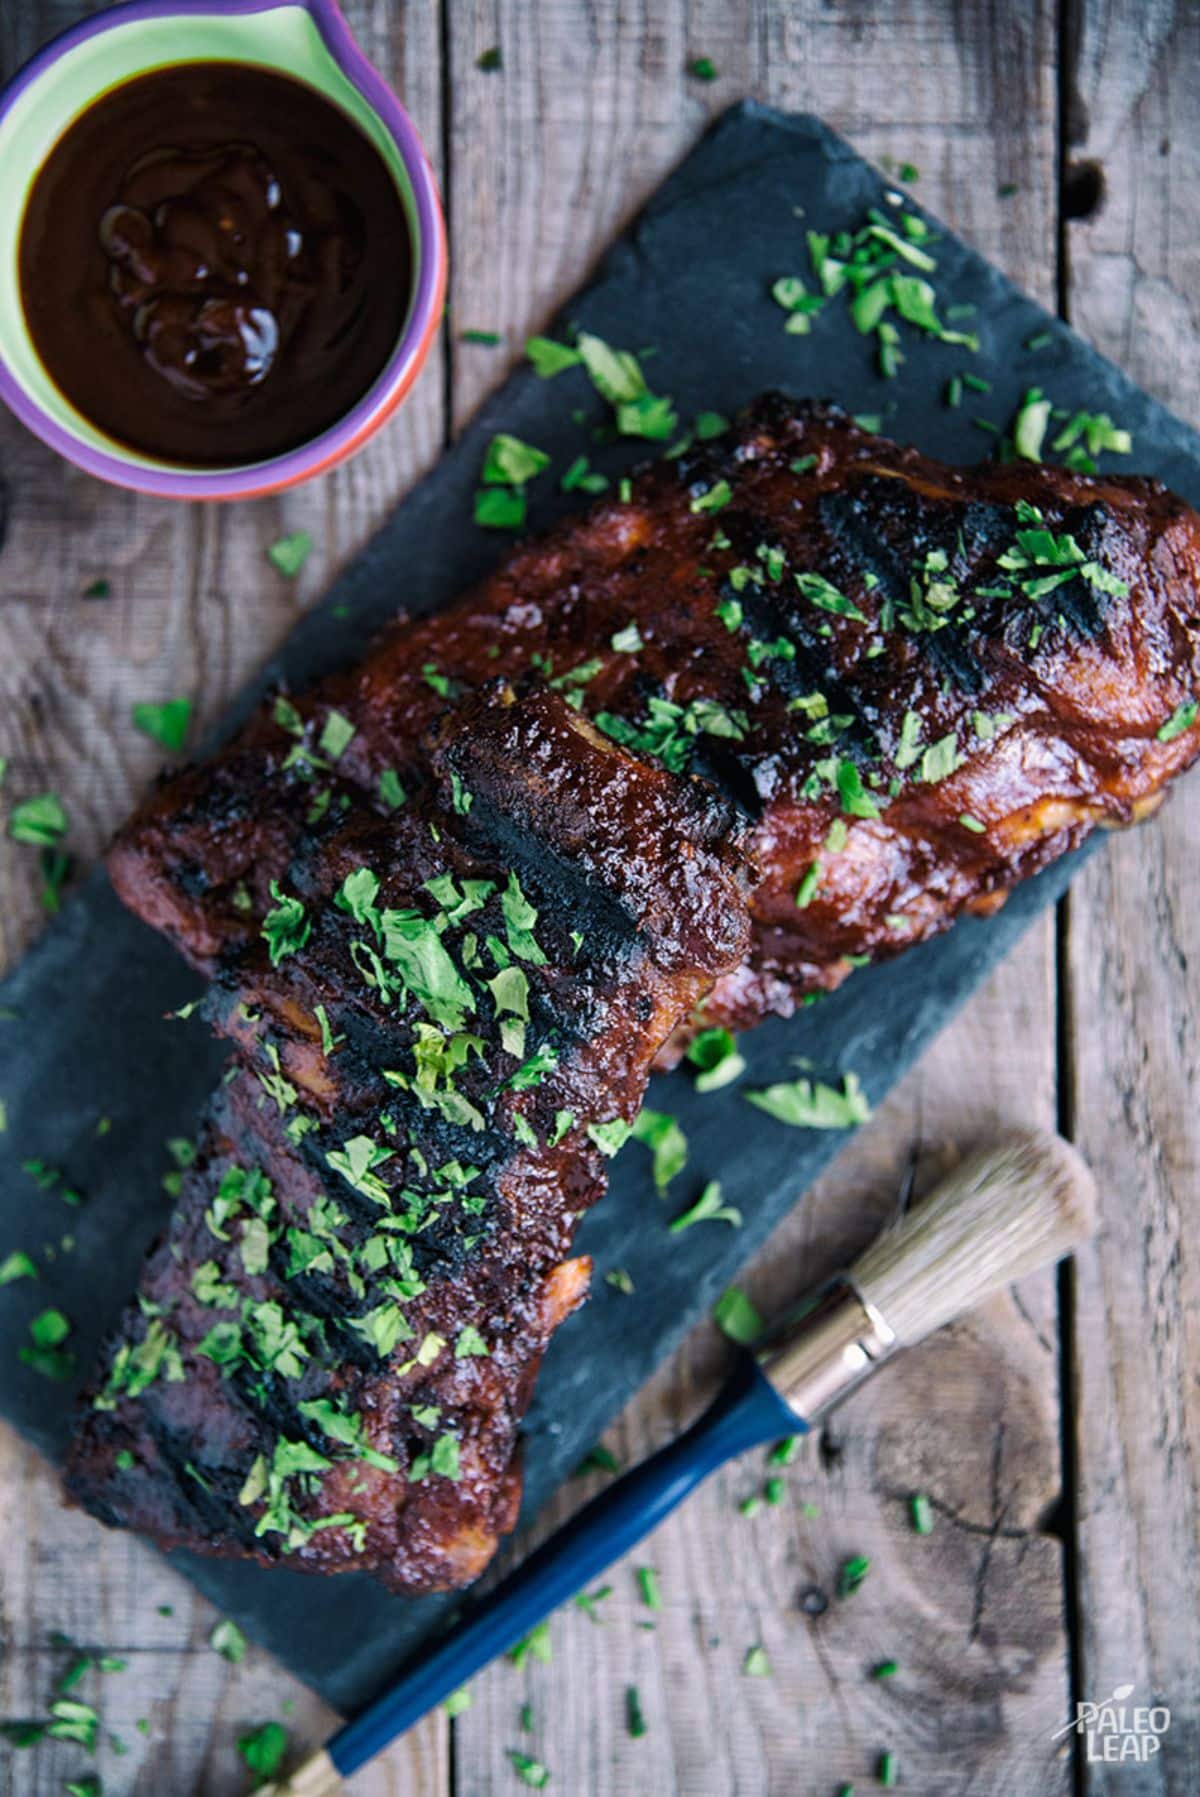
1111,1732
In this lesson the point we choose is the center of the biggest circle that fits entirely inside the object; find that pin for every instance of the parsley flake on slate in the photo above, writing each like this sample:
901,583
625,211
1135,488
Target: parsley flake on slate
98,589
41,820
810,1104
16,1265
550,358
264,1749
47,1355
736,1317
714,1052
661,1134
920,1513
500,508
708,1208
581,477
511,463
165,724
289,553
1030,425
790,293
617,375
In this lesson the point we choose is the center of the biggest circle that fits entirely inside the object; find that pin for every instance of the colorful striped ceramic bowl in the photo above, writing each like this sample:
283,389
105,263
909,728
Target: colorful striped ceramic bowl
306,39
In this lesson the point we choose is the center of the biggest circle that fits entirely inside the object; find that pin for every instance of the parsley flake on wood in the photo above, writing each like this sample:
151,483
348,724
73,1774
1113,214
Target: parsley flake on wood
536,1645
457,1703
920,1513
289,553
41,821
851,1574
484,339
228,1640
810,1104
647,1579
702,68
756,1663
490,61
736,1317
531,1772
165,724
264,1749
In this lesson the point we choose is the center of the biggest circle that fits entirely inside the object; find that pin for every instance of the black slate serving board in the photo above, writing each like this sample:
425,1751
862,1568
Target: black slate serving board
83,1034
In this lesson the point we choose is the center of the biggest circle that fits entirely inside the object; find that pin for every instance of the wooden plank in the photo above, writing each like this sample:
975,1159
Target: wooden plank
549,157
1133,947
194,608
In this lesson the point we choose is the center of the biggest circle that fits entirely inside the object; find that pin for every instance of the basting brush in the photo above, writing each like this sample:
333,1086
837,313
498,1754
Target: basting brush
1003,1213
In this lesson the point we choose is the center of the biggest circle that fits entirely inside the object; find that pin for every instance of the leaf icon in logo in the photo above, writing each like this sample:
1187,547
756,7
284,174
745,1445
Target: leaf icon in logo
1121,1693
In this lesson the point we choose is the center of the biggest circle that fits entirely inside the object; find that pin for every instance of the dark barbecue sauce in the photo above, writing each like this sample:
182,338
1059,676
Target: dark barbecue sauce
215,264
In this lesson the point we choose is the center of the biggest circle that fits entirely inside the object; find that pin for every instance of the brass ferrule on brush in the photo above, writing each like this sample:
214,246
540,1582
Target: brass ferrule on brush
818,1353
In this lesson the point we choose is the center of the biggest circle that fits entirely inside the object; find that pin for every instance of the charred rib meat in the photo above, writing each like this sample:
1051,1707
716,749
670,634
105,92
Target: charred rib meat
919,685
448,1021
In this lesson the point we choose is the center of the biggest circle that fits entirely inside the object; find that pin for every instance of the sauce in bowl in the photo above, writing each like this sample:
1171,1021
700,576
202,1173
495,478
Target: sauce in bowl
215,264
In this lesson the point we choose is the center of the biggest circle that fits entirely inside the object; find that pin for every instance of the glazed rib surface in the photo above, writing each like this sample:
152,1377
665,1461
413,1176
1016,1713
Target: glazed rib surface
895,687
858,646
449,1023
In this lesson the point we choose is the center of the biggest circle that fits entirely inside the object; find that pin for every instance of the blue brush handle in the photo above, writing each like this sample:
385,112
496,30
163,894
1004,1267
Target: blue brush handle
746,1413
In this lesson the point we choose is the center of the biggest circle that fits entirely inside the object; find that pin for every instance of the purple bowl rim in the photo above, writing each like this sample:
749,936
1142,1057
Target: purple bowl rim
258,478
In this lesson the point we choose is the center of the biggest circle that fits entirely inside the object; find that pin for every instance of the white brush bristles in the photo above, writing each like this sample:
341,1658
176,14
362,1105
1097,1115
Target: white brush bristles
1013,1207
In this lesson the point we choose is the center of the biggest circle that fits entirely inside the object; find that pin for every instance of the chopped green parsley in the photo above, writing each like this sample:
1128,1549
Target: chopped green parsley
810,1104
708,1208
288,554
736,1317
165,724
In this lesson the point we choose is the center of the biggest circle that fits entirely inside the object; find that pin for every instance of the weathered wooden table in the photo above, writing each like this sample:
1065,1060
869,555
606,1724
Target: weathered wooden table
1058,1434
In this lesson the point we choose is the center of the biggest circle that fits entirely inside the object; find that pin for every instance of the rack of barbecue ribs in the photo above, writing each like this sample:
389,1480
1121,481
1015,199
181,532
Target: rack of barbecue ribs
799,699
